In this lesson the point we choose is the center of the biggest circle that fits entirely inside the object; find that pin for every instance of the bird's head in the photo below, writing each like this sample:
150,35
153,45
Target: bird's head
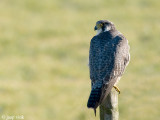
103,26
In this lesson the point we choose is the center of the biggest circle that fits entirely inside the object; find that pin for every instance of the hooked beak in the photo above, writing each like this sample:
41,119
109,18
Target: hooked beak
95,28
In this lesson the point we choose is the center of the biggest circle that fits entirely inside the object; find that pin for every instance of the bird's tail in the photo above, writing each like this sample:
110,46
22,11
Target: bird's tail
94,98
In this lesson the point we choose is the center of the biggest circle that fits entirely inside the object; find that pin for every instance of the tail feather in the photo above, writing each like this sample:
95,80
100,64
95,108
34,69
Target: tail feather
94,98
95,111
99,93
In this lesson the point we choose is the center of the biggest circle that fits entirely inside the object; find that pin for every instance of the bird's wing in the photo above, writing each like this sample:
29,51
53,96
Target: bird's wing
121,59
108,58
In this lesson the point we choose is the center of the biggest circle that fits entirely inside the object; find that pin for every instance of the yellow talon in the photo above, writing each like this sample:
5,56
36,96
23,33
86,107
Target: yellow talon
117,89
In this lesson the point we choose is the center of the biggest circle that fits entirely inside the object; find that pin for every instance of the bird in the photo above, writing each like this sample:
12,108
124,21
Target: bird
108,57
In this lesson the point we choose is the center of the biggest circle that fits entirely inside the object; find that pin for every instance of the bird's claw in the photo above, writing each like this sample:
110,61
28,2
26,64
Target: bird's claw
117,89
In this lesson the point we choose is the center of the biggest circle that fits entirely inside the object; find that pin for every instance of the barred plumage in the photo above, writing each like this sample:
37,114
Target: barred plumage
108,58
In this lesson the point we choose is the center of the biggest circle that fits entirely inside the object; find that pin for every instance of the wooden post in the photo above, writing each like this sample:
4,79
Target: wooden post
109,109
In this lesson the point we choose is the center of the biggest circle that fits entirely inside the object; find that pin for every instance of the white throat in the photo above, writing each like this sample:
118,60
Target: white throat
98,31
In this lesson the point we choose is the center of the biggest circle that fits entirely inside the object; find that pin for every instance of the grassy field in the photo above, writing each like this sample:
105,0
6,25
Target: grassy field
44,55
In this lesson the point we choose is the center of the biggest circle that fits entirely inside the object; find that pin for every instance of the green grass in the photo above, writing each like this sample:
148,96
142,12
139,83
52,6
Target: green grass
44,55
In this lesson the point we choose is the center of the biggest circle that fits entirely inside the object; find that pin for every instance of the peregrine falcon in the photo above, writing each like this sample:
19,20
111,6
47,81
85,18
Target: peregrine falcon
108,57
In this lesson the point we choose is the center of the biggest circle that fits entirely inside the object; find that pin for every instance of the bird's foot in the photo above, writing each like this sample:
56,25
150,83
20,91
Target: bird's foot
117,89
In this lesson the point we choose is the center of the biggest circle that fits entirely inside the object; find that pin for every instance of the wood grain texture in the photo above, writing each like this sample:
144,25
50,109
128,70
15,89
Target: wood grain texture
109,109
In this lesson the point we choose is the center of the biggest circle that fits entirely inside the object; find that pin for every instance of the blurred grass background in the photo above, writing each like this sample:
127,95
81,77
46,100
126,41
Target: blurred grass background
44,55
